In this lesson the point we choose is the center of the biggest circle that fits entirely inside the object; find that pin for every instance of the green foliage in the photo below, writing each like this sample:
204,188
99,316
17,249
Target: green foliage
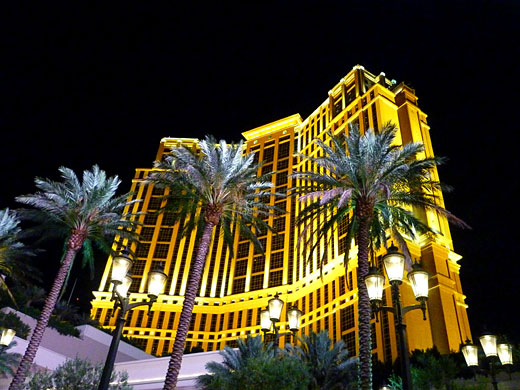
221,182
259,374
76,374
316,364
328,364
64,328
366,176
90,206
433,370
8,361
12,321
13,253
395,382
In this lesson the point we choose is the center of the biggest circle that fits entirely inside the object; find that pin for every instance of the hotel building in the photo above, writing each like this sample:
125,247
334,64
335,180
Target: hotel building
234,289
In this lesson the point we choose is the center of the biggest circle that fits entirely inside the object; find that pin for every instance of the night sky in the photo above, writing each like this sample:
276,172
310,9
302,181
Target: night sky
84,86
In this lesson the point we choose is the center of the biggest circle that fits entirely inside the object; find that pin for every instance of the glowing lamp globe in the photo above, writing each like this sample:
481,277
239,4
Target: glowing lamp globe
375,282
489,344
265,320
275,308
6,336
122,289
156,282
394,264
470,353
121,264
505,353
294,317
418,278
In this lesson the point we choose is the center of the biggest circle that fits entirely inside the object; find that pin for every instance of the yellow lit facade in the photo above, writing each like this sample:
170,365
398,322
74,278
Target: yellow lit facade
234,290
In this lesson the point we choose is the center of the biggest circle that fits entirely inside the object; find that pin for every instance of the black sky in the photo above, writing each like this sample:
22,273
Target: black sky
103,85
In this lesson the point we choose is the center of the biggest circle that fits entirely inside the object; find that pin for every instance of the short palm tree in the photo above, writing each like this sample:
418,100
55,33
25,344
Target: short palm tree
84,213
236,359
255,366
8,361
219,185
13,253
372,184
328,363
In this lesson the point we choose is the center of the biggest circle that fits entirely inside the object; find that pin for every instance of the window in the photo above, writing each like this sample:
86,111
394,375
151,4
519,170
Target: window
230,320
267,169
165,234
239,285
277,242
241,267
258,264
283,150
243,249
257,282
168,218
154,203
276,260
281,178
284,164
279,224
142,250
150,219
347,317
268,154
202,324
161,251
146,233
275,278
350,341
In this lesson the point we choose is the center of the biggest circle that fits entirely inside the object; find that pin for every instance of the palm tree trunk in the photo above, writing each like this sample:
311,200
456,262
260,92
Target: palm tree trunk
74,244
364,309
197,267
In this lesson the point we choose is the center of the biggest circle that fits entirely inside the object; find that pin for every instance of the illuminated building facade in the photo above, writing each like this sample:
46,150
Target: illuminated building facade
234,290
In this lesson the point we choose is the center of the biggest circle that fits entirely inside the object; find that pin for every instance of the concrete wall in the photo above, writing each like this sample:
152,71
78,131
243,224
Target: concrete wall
149,374
92,344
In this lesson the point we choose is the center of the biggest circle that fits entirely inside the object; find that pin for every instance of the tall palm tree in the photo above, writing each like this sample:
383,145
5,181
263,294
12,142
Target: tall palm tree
328,363
219,185
84,213
13,253
372,184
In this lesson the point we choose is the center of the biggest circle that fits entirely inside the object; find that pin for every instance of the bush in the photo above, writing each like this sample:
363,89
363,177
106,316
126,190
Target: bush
76,374
260,374
12,321
64,328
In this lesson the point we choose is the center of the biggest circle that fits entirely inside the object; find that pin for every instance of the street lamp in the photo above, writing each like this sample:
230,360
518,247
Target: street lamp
6,336
122,280
502,353
394,265
270,316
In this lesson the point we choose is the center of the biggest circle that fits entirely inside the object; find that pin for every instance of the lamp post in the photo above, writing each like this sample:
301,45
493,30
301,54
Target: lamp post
122,280
270,316
6,336
502,353
394,265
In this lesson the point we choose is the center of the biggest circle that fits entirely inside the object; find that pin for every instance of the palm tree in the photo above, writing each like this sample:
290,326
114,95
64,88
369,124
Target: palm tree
255,366
235,360
13,253
8,361
84,213
329,365
219,185
373,185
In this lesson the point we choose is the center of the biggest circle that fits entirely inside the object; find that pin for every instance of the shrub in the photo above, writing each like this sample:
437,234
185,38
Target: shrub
12,321
76,374
259,374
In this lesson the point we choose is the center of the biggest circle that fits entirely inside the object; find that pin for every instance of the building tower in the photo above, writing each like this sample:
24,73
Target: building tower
234,290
